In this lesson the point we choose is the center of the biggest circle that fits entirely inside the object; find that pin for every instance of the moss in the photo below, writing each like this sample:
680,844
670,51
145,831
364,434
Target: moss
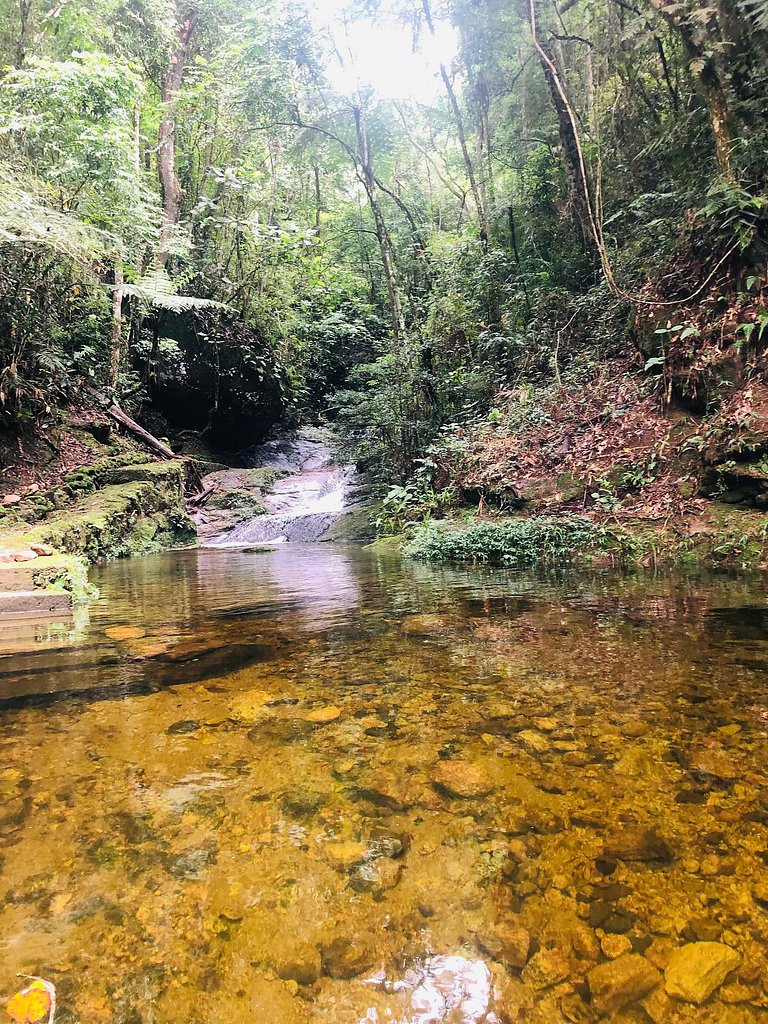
356,524
103,524
240,501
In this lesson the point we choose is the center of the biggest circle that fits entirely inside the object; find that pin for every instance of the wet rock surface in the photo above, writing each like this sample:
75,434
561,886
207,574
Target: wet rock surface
698,968
442,797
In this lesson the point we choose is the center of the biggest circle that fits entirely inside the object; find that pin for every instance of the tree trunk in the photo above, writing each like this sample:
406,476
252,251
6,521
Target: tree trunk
25,10
579,198
386,247
462,135
702,59
318,198
117,325
170,188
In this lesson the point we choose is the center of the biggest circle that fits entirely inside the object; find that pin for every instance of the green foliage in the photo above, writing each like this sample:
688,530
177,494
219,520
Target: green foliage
735,213
72,120
157,290
523,541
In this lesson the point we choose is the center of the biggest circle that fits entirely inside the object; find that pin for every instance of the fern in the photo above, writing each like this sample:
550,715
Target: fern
158,290
25,219
757,10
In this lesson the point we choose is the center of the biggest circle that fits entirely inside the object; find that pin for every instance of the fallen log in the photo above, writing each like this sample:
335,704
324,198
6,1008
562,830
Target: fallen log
202,497
117,414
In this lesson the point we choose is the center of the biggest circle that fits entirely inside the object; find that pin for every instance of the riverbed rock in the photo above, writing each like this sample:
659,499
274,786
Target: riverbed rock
545,968
184,727
462,779
614,946
376,876
301,963
323,716
250,706
716,763
345,855
508,942
697,969
422,625
534,742
346,957
125,632
621,982
634,843
303,803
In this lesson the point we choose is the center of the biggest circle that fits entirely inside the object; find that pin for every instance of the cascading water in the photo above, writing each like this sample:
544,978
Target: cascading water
303,504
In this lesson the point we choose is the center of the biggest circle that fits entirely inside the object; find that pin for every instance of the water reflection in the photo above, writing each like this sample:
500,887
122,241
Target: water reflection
317,786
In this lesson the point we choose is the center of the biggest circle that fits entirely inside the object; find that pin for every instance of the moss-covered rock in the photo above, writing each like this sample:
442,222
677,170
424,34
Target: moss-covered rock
124,518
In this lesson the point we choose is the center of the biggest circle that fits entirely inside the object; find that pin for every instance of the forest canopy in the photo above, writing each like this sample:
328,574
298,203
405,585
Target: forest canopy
382,212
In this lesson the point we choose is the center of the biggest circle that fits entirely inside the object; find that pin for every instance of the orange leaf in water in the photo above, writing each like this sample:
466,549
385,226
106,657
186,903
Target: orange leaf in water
31,1004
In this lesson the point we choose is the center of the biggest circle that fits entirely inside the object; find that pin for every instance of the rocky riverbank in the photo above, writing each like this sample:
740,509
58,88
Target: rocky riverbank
122,504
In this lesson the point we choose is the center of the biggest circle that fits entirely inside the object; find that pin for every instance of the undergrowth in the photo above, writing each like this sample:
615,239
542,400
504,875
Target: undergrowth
524,541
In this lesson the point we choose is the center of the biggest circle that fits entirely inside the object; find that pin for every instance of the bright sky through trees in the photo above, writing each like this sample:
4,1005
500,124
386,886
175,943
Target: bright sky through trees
381,52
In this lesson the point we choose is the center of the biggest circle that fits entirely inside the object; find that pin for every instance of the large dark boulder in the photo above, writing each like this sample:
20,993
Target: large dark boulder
212,373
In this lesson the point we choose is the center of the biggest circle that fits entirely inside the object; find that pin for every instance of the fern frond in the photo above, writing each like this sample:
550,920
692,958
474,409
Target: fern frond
158,290
757,11
25,219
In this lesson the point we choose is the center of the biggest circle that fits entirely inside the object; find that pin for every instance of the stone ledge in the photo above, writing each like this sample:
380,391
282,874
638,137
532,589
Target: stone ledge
19,603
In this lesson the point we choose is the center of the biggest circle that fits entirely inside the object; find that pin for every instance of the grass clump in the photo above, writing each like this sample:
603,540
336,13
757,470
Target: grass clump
522,541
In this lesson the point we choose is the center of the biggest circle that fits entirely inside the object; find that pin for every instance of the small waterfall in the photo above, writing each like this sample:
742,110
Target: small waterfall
305,502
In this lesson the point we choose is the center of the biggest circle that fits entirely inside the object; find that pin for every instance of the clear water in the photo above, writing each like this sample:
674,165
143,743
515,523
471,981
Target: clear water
225,794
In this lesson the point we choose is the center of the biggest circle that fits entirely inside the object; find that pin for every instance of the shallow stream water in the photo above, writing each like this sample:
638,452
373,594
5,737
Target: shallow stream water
317,784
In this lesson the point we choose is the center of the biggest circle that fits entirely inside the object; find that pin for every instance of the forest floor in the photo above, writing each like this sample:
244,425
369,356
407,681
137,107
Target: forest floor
609,449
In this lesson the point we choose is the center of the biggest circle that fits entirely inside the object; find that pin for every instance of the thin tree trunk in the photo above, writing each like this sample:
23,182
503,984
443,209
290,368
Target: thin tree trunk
116,347
318,197
137,138
461,133
166,148
578,196
386,247
25,9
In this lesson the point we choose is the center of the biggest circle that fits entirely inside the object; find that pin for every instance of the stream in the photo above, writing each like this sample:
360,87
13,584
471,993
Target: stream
304,503
320,784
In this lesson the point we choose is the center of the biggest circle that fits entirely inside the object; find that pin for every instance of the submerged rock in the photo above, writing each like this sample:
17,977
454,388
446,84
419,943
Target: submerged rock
377,876
301,964
546,968
637,844
125,632
716,763
508,942
614,946
184,727
618,983
303,803
322,716
534,742
345,855
462,779
422,625
698,968
346,957
251,706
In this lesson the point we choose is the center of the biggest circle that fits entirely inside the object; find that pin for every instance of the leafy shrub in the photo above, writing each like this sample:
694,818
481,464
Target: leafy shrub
525,541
